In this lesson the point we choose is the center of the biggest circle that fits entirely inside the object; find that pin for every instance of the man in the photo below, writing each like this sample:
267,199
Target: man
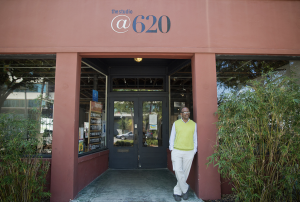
183,147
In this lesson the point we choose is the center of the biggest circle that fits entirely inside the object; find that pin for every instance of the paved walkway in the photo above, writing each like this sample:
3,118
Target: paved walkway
132,186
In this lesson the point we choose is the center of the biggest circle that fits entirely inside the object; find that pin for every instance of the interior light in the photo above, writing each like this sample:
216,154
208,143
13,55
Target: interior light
138,59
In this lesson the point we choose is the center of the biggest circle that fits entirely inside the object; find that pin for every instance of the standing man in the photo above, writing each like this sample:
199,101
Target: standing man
183,147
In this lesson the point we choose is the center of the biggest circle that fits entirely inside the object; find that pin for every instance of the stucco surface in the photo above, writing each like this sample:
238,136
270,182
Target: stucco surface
229,26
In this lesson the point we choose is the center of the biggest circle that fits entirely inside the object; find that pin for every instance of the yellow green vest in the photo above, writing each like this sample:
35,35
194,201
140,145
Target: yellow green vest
184,139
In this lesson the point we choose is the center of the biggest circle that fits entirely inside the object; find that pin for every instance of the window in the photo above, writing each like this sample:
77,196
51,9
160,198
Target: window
137,84
27,91
233,74
92,115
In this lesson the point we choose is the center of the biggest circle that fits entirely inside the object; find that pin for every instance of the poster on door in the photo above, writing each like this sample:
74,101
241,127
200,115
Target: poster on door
153,119
153,127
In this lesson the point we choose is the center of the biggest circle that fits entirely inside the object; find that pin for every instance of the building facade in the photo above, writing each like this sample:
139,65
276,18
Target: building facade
97,37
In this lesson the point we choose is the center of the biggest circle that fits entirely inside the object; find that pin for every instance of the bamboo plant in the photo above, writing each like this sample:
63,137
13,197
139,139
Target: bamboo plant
22,172
259,139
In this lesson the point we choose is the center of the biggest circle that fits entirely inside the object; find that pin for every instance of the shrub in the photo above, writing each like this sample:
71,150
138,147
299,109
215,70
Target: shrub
258,140
127,143
152,142
22,172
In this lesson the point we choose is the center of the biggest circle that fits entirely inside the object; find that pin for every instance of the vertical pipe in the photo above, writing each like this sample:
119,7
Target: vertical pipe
95,81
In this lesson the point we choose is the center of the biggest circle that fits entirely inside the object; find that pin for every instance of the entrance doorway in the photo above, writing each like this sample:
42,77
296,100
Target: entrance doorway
141,99
139,131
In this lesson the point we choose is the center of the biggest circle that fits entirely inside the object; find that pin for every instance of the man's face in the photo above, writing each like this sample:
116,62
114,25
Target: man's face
185,113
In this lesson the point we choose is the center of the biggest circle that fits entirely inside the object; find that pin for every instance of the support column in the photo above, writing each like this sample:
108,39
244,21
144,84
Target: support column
65,127
204,107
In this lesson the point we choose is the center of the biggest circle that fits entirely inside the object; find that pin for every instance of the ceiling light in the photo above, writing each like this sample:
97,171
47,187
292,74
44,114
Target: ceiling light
138,59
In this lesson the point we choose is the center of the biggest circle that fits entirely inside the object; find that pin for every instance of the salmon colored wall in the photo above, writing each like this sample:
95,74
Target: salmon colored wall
90,167
214,26
226,187
169,161
65,128
204,82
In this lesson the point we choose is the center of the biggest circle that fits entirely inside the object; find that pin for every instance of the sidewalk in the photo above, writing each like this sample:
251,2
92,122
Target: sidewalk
132,186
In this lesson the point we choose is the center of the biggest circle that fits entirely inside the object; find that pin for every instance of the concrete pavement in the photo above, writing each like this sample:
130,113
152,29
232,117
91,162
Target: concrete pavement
153,185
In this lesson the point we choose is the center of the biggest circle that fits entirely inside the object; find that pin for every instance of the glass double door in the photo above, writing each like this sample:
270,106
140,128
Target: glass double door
138,135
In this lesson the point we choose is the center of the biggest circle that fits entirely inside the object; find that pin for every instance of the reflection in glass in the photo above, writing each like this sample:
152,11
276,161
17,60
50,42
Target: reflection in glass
123,123
27,92
92,115
233,75
181,94
125,84
151,84
152,123
138,84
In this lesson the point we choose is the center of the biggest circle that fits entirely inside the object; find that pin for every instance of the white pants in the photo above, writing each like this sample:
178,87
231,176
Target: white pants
182,162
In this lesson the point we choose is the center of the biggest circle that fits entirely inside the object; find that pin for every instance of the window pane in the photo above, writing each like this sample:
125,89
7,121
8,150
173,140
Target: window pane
181,94
123,123
138,84
152,124
92,116
151,84
27,91
233,75
125,84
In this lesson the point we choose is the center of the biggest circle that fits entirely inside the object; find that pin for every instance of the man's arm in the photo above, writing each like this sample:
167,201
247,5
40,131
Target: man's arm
172,137
195,139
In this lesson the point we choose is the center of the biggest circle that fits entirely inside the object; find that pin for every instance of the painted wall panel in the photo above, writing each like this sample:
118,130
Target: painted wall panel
229,26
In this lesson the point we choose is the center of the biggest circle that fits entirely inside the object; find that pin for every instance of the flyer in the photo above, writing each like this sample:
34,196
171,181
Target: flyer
153,127
80,146
153,119
80,133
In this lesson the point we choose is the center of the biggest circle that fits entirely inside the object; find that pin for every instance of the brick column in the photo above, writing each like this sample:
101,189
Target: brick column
204,107
65,127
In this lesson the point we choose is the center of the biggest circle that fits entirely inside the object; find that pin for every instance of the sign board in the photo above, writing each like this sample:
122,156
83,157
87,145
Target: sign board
96,106
124,21
95,95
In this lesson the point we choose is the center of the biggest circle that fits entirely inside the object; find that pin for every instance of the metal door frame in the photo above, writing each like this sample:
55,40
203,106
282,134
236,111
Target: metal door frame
138,98
149,155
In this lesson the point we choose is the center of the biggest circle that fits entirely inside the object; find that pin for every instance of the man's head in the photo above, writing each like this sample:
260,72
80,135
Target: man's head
185,113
